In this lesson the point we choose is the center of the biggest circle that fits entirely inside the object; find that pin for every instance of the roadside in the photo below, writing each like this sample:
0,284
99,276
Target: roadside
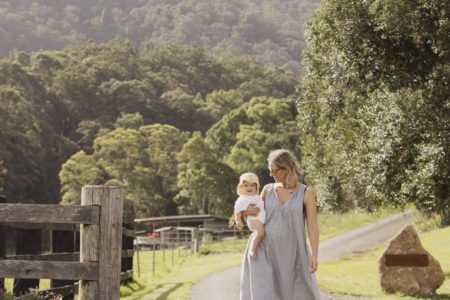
226,283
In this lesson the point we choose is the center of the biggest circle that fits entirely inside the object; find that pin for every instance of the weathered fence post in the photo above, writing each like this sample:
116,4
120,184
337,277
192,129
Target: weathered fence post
2,246
194,239
128,235
102,243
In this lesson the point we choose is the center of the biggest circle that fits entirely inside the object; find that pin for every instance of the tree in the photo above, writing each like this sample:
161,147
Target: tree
143,160
206,185
81,169
372,108
244,137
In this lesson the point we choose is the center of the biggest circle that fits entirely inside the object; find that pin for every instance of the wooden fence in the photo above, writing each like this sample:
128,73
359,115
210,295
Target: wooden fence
98,268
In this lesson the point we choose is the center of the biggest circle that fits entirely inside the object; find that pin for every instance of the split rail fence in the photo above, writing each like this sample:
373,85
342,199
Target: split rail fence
98,265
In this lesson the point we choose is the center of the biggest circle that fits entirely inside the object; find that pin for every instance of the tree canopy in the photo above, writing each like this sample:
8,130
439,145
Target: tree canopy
114,114
176,124
374,104
269,31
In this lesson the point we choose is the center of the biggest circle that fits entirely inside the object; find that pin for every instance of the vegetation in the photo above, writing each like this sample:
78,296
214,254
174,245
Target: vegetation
374,104
112,114
271,31
175,126
361,271
332,224
175,280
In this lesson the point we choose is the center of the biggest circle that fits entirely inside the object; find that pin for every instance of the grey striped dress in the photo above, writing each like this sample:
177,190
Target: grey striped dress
281,270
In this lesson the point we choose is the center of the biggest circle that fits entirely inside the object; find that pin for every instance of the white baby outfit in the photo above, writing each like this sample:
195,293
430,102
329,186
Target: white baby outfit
242,203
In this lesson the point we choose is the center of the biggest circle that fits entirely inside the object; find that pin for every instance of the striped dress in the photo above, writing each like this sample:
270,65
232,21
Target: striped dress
281,270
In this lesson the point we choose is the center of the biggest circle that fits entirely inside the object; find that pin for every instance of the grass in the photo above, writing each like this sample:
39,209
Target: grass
334,224
359,275
175,282
176,274
9,282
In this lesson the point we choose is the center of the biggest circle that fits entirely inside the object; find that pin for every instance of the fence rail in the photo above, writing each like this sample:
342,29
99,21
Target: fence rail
49,213
98,269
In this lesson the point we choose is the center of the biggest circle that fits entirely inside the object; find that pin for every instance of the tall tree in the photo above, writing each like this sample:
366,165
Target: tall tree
207,186
244,137
374,106
143,160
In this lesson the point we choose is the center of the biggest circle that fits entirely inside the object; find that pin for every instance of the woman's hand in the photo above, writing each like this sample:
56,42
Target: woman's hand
252,210
314,264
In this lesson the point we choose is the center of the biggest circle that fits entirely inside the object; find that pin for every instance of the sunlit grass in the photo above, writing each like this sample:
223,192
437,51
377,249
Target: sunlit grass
359,275
332,224
175,281
9,282
177,270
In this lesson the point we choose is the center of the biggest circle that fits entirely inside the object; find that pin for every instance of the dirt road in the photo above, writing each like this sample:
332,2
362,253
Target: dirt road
225,285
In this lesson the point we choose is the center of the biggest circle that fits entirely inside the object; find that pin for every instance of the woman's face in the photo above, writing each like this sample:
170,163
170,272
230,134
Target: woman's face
279,175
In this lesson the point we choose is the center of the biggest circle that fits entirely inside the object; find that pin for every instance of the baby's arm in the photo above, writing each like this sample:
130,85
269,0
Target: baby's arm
238,220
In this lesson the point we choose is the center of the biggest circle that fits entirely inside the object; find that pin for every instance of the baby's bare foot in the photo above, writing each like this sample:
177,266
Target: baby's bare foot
253,254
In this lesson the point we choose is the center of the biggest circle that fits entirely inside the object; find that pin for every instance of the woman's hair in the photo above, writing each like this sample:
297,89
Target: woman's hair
250,178
284,159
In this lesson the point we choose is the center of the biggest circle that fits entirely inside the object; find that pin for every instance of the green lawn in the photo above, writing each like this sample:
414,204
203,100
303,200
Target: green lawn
176,271
334,224
359,275
175,282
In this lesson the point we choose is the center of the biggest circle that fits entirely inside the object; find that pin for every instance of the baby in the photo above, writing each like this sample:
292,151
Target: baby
248,190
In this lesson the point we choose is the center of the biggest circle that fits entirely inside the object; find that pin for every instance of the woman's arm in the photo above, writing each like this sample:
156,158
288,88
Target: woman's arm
253,210
264,192
313,228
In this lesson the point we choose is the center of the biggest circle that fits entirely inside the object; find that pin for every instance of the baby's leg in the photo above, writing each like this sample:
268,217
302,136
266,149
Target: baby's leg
258,228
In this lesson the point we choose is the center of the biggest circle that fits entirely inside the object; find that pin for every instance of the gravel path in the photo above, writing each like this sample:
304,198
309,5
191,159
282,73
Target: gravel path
225,285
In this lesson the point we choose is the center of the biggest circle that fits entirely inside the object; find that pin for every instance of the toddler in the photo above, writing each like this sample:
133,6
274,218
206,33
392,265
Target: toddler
248,191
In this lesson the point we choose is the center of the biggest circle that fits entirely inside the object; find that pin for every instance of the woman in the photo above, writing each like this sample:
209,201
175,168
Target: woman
284,268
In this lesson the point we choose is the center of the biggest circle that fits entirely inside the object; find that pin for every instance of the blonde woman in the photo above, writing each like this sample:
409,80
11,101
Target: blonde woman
285,266
248,191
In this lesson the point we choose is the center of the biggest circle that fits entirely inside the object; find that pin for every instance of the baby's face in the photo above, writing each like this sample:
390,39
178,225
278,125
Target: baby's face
249,188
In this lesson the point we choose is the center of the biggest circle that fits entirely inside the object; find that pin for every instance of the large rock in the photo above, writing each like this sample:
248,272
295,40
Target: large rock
409,280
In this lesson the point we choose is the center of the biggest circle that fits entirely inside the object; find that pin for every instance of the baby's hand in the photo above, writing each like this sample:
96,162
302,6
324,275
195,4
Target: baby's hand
239,225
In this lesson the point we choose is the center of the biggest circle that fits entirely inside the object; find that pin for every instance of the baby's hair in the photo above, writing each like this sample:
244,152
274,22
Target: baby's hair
250,178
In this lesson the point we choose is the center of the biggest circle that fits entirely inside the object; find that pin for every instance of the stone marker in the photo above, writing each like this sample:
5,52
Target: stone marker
406,267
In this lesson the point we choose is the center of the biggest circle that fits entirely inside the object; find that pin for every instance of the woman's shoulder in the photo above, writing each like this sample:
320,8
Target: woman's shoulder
265,190
308,189
309,194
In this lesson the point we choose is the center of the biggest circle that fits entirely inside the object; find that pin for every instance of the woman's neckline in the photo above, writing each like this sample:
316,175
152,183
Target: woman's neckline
291,194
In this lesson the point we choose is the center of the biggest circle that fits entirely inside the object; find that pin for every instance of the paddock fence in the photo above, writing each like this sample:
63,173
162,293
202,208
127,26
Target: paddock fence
39,241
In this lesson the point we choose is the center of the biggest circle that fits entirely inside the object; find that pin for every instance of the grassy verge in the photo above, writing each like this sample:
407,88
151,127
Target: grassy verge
334,224
175,282
9,283
176,271
359,275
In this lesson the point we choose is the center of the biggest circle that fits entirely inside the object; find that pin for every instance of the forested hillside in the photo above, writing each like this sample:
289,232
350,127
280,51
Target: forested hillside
176,124
270,31
122,115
